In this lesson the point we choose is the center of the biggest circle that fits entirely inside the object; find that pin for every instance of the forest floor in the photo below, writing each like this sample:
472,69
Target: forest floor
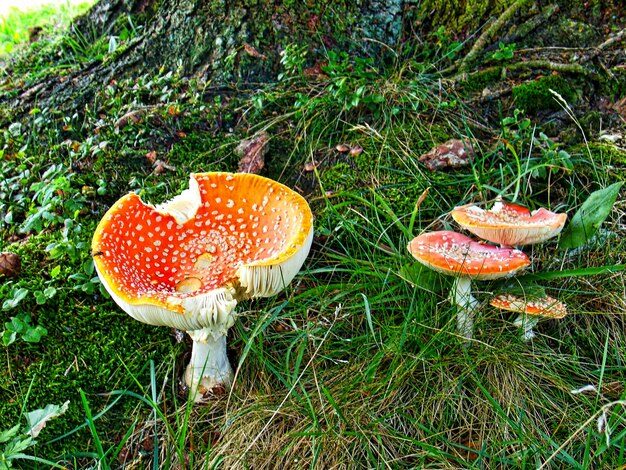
359,362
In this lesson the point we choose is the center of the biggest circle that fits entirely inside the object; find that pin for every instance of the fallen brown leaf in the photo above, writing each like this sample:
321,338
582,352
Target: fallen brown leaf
252,52
10,264
451,154
132,116
160,166
151,157
252,153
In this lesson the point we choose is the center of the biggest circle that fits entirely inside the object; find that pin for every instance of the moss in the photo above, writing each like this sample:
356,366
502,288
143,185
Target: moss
602,158
567,32
91,344
200,151
591,122
535,96
396,179
459,16
480,80
614,87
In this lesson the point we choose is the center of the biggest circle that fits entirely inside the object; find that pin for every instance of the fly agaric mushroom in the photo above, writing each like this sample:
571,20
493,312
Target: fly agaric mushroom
509,224
187,263
457,255
530,310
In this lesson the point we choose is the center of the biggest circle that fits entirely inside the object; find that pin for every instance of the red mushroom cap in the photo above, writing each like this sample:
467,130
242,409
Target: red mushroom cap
510,224
542,307
227,237
455,254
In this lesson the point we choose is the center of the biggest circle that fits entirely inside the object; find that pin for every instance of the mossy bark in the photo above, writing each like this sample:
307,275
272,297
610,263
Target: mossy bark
218,40
240,41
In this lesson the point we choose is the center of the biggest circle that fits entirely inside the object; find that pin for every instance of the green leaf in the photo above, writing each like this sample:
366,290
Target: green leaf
589,217
17,446
5,436
55,272
8,337
18,295
33,335
50,292
40,298
88,267
18,324
527,291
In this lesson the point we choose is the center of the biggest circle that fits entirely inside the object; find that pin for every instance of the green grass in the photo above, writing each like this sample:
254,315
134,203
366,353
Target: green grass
18,27
358,363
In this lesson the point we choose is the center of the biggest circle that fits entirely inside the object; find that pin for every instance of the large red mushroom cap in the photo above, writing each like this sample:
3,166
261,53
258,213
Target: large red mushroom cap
187,262
510,224
456,254
547,306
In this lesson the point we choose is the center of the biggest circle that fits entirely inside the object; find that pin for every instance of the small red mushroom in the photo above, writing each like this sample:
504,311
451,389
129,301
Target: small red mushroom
510,224
530,310
457,255
188,262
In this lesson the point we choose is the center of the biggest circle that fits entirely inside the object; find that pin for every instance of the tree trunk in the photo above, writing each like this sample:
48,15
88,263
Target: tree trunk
235,41
240,41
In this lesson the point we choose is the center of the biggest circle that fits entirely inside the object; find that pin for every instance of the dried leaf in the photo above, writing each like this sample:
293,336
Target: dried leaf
252,52
586,388
151,157
160,166
316,71
451,154
132,116
37,419
10,264
356,150
252,153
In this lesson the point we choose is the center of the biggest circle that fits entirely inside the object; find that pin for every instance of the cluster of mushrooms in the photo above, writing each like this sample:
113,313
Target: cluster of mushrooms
188,262
507,225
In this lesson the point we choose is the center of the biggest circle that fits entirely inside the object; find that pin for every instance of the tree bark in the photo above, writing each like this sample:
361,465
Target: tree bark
240,41
220,40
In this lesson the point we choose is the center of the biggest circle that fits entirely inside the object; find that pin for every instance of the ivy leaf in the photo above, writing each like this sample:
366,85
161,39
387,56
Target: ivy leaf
589,217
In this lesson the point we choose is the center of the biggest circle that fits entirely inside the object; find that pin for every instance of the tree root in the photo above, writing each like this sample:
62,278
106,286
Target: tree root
489,34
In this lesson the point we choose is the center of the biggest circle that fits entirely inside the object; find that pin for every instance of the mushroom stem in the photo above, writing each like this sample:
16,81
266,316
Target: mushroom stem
527,322
209,366
467,305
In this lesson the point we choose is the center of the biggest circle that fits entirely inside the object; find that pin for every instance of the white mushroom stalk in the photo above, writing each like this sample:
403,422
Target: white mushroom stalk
467,305
187,263
209,366
457,255
527,323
